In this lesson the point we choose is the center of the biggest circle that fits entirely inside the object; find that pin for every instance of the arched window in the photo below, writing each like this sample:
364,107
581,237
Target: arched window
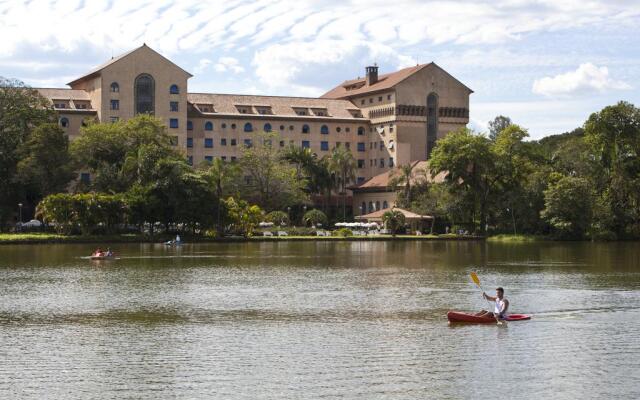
360,131
174,89
305,128
144,90
248,127
267,127
189,125
208,126
324,130
377,205
363,208
385,205
432,122
370,206
64,122
115,88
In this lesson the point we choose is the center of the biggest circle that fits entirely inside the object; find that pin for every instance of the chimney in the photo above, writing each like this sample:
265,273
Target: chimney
372,74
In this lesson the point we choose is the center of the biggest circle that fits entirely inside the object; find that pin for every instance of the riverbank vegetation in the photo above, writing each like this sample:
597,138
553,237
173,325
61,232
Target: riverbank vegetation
581,184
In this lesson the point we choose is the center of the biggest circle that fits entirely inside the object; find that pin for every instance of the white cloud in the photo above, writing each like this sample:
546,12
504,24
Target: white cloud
230,64
203,64
587,78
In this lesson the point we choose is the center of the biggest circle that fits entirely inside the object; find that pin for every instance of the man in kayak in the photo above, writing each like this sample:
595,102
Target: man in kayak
501,305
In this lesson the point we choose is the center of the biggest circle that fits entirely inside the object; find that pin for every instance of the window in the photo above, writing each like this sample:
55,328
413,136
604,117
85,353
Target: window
208,143
305,144
189,142
388,98
173,106
290,127
174,89
363,206
115,88
282,143
347,145
233,158
385,205
360,163
379,98
64,122
324,146
360,131
114,119
234,142
305,128
370,206
362,102
361,146
208,126
144,89
233,126
208,158
223,142
224,126
189,125
115,104
85,178
248,143
173,123
338,129
224,158
190,160
390,162
371,100
361,180
324,130
347,129
173,140
267,127
248,127
382,163
377,205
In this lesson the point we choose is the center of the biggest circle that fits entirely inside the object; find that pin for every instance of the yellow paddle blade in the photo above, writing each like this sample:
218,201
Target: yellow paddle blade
475,278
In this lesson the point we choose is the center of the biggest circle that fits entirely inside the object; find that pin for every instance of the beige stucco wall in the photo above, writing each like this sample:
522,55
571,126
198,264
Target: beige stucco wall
373,198
164,73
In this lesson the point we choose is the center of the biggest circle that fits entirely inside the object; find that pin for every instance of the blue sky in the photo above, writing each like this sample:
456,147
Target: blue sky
547,64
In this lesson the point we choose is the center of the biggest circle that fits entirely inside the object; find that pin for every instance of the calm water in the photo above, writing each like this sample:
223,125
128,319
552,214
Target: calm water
355,320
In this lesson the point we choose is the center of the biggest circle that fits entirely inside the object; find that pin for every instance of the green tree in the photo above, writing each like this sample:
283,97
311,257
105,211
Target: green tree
497,125
343,165
470,166
57,209
277,218
46,165
315,217
22,109
223,179
393,220
269,182
568,206
243,216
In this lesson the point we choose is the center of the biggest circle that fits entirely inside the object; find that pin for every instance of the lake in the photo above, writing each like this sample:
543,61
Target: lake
318,320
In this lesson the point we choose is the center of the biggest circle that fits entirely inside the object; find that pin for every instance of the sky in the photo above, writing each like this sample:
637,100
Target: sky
547,64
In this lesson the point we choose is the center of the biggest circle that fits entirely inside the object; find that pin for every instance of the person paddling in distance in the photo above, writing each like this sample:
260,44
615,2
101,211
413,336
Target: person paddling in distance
501,305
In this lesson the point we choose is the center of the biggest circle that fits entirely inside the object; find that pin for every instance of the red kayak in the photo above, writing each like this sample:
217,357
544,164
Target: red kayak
457,316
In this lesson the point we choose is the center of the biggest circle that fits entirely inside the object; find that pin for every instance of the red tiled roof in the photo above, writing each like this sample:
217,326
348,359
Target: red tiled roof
377,215
381,182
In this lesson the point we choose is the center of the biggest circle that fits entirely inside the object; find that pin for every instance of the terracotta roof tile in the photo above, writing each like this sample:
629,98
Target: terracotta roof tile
280,105
63,94
381,182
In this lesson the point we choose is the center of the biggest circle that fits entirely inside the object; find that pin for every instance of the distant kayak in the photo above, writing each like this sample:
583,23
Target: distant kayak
458,316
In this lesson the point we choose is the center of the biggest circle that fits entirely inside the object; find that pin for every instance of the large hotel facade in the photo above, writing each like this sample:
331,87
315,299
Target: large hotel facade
385,120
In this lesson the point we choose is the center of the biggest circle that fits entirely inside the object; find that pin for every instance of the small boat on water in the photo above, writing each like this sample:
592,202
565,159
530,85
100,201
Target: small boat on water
103,257
458,316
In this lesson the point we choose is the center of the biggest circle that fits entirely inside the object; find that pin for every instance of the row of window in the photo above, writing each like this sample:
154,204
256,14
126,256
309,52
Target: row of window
173,89
363,101
248,127
374,163
373,206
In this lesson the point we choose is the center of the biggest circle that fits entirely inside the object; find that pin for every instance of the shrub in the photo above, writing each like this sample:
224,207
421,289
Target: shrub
315,217
393,220
279,218
343,232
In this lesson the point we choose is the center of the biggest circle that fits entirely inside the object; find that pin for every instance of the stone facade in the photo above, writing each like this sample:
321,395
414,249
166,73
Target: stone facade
385,120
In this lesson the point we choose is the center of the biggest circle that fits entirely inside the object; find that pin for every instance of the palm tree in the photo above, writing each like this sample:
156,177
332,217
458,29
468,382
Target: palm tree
404,177
221,176
343,165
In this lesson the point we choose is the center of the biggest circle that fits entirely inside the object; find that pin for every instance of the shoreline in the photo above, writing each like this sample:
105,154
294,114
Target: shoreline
35,238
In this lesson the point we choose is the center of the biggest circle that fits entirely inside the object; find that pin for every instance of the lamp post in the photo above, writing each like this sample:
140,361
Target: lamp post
20,212
289,213
360,207
304,211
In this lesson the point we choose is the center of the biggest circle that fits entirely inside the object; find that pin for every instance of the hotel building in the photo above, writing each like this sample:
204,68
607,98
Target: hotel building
384,119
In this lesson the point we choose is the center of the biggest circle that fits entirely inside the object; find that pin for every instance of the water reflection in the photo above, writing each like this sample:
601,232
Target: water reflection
318,320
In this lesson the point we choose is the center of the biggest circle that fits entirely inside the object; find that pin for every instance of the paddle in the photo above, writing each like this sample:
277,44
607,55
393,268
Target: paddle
476,280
